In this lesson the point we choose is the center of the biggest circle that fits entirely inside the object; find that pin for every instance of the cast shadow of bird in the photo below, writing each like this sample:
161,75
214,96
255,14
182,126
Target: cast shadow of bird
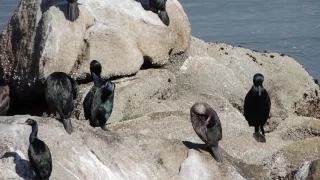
23,167
198,147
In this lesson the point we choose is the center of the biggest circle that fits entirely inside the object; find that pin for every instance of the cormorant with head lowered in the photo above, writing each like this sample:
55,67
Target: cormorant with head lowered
257,107
39,153
207,126
60,91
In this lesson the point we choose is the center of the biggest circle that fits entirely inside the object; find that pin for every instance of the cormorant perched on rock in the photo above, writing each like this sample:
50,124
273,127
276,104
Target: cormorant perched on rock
60,91
39,153
257,106
73,10
159,7
98,103
4,99
207,125
102,105
95,69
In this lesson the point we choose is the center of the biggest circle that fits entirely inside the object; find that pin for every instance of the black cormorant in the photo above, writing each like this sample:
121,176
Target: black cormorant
39,153
73,10
95,69
60,91
102,105
159,7
257,106
98,103
207,126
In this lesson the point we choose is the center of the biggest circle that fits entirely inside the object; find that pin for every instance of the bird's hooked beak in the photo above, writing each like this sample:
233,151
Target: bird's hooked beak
259,90
23,123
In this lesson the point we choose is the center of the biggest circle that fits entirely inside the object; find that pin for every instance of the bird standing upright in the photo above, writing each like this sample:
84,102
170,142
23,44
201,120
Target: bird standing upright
98,103
257,107
39,153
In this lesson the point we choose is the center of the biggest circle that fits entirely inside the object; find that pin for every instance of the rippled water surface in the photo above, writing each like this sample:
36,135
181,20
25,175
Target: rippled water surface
285,26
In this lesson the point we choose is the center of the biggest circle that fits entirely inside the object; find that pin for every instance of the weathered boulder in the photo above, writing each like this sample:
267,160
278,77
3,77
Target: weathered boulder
157,145
151,134
133,94
217,68
122,35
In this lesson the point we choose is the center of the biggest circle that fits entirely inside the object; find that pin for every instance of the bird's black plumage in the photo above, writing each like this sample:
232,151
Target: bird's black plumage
95,69
39,153
102,105
4,99
98,103
159,7
73,10
257,106
60,91
207,126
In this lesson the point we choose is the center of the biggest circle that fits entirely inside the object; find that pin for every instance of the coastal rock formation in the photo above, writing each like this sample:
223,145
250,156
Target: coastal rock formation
122,35
151,134
132,94
291,88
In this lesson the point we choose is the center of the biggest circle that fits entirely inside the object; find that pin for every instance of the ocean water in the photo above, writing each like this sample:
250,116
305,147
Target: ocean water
285,26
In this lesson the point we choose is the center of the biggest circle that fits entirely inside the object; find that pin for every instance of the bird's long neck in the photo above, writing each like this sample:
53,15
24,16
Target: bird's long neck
97,80
34,133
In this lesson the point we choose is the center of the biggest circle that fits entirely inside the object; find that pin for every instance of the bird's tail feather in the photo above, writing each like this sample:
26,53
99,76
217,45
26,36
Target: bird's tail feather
163,15
73,11
67,125
104,127
217,154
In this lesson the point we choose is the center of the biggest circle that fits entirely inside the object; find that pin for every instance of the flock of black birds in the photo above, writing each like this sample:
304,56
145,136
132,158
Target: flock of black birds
61,90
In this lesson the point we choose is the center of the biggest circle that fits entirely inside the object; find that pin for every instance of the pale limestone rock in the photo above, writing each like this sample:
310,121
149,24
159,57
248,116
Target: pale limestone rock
39,40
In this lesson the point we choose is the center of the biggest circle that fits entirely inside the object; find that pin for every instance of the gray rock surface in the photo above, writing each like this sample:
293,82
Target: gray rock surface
291,88
122,35
151,134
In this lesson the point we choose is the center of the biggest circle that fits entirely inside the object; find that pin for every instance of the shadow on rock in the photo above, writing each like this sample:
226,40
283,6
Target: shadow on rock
248,171
200,147
23,167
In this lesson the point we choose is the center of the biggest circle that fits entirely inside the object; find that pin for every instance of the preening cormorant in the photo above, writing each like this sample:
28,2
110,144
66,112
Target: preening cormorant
257,106
98,103
73,10
39,153
4,99
207,126
60,91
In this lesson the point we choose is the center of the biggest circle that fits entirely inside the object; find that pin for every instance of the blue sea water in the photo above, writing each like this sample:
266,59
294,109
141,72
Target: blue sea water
286,26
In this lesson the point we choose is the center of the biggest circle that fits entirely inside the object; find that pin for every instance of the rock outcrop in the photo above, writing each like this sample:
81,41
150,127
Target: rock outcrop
122,35
151,134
